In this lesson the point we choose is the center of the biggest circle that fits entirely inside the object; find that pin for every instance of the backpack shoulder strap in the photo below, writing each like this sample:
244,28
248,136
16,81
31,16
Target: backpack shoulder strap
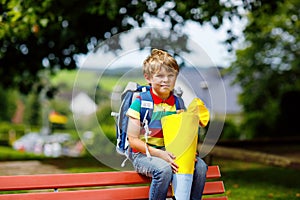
179,103
146,106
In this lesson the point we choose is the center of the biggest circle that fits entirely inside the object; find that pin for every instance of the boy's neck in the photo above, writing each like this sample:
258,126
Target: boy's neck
165,97
158,99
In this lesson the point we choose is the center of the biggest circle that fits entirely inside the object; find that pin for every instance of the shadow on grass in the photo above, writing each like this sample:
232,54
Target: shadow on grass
268,175
255,181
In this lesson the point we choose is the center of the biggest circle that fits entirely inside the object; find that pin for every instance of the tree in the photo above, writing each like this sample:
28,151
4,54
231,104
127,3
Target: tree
32,114
35,35
8,104
268,69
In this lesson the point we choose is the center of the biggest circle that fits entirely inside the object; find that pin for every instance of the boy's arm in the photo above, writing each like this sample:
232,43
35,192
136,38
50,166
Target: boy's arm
133,133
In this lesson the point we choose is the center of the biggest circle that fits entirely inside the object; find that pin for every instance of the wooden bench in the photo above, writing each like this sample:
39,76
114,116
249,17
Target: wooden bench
92,186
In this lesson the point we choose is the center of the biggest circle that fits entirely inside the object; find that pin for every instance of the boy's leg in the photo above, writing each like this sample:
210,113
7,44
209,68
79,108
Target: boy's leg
198,179
159,170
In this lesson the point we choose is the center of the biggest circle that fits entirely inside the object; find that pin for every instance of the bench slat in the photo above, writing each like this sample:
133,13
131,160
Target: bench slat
96,179
216,198
140,192
213,172
29,182
212,187
51,181
215,187
105,194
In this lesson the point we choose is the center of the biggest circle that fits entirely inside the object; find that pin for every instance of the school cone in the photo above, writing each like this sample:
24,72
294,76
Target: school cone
180,137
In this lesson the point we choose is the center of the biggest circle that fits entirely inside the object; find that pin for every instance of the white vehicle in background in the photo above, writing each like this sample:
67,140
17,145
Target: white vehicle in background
54,145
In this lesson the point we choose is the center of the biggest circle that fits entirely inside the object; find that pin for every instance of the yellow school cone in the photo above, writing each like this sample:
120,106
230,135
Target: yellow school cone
181,137
197,107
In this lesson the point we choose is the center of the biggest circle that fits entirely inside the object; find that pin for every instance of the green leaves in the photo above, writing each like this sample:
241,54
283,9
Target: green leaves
264,67
53,31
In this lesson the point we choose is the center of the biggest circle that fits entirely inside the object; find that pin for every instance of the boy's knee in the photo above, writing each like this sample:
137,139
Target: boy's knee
201,165
164,172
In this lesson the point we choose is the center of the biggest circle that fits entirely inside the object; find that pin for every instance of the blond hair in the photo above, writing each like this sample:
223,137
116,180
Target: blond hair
158,59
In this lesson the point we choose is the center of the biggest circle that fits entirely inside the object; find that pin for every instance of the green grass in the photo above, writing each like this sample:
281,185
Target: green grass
246,181
88,80
7,153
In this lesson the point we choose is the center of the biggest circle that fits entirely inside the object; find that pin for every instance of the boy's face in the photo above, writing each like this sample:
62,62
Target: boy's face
162,82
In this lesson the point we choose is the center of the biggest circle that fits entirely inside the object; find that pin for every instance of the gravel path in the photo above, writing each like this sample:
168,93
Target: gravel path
27,167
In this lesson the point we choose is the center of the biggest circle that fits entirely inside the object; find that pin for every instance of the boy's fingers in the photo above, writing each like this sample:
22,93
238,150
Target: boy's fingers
174,167
172,155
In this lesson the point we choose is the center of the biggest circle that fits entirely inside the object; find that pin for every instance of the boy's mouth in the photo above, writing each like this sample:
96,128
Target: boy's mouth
165,86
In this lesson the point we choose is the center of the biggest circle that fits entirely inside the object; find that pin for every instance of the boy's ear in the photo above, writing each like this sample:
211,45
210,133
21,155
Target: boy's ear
148,78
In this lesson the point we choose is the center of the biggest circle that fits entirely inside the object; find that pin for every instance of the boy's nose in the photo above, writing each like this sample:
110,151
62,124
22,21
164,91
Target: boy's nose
165,78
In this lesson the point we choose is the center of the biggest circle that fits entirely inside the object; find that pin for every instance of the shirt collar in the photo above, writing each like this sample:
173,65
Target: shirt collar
157,100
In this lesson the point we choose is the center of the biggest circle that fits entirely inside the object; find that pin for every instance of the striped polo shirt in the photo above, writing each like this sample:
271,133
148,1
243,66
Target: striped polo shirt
161,108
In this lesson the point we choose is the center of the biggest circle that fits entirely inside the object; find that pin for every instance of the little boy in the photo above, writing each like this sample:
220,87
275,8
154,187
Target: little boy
160,70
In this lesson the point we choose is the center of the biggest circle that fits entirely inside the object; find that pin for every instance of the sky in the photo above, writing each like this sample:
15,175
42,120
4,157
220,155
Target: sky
206,43
210,40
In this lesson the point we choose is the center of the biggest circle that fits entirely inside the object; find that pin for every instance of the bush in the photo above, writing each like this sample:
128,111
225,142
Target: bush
6,128
230,131
7,104
32,114
107,122
104,115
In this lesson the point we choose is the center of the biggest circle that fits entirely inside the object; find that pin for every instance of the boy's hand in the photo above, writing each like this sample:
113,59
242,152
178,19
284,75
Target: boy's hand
170,158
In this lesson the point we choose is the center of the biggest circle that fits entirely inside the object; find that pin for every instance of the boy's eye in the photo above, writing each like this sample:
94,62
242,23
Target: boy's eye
159,75
162,76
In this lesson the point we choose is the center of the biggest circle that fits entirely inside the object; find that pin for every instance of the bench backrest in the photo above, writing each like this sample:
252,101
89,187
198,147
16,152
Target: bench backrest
91,185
